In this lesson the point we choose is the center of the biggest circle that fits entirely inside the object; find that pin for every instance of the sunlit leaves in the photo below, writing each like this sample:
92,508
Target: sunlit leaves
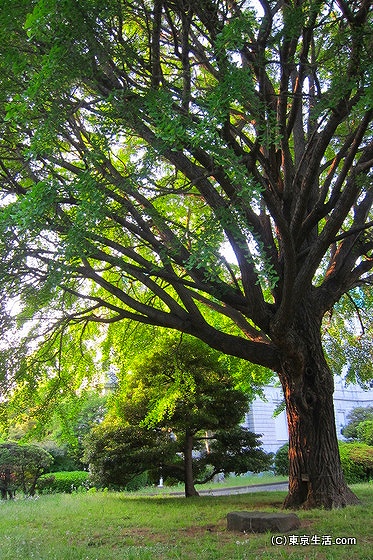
348,338
134,150
239,30
180,384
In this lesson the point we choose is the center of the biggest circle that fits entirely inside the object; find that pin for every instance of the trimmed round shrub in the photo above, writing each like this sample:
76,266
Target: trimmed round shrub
281,461
357,461
20,467
63,482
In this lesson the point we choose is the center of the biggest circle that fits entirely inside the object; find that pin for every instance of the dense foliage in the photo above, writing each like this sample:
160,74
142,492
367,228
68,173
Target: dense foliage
117,455
127,457
233,451
365,432
58,426
281,460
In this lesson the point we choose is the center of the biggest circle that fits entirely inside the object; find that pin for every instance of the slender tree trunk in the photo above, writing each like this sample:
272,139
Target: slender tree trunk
315,475
188,467
35,479
6,485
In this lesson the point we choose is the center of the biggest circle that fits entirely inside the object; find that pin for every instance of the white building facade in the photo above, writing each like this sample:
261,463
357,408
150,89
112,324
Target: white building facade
260,418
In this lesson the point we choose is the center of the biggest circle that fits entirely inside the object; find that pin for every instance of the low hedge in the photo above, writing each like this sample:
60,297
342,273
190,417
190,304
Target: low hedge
356,461
63,482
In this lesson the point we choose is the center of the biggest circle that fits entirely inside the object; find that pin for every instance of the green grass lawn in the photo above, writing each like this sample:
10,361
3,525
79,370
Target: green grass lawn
118,526
244,480
229,482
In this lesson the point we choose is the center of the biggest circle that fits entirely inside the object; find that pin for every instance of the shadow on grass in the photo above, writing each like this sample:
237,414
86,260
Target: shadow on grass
273,500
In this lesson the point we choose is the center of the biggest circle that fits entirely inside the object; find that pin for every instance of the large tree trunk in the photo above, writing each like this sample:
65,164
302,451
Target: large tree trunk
188,467
315,475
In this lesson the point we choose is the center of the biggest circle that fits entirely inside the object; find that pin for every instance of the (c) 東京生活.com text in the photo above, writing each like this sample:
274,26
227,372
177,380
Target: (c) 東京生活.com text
309,540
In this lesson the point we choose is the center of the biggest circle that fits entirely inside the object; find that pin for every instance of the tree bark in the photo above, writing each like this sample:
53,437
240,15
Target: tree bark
188,467
316,479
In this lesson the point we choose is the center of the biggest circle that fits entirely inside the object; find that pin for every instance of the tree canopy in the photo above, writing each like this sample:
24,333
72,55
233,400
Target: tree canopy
182,385
141,140
137,139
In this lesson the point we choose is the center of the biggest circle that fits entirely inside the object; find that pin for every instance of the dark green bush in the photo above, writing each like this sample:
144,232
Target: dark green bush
281,461
63,482
63,459
117,455
138,481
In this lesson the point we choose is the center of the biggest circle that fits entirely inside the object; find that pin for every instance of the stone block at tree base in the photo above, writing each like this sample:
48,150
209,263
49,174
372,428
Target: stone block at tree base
260,522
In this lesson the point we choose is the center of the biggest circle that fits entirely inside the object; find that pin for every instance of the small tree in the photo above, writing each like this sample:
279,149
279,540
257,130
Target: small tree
281,462
118,455
356,417
365,432
185,388
20,467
